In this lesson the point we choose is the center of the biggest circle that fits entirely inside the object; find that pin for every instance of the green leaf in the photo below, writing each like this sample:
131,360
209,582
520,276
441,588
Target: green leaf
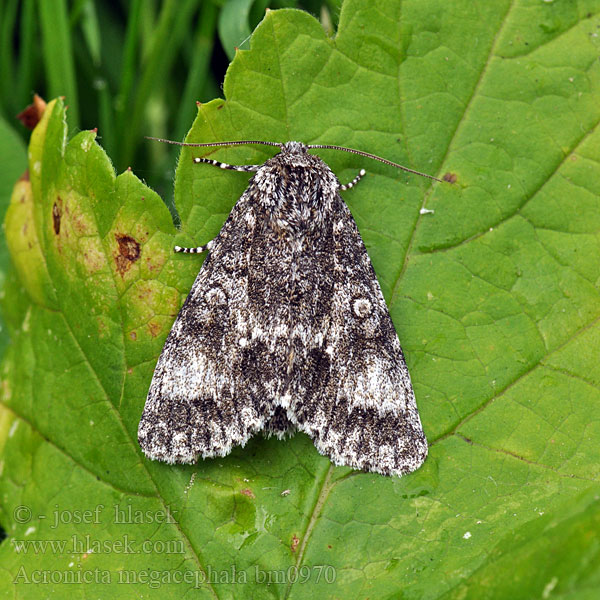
494,295
233,25
14,162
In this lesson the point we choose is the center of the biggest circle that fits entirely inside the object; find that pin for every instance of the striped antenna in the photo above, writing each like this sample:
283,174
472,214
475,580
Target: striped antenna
311,146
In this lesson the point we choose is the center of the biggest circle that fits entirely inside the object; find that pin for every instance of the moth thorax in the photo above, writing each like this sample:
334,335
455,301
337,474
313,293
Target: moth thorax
293,214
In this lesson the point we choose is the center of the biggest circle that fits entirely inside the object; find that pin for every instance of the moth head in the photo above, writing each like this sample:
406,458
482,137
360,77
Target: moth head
294,148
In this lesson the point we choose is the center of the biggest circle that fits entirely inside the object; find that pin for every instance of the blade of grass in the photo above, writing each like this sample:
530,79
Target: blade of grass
173,26
106,114
27,57
201,55
124,99
85,13
198,52
8,16
58,56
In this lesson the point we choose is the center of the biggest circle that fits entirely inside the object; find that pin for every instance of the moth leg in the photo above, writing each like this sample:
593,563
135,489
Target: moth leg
197,250
222,165
347,186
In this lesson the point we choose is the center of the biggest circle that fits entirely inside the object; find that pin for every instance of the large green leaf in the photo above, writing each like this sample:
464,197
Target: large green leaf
495,296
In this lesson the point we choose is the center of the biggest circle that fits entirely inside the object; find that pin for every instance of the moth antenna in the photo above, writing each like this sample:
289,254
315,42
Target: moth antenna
374,157
238,143
312,146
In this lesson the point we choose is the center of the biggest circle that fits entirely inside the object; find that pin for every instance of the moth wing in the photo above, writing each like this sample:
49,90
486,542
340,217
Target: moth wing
206,394
362,412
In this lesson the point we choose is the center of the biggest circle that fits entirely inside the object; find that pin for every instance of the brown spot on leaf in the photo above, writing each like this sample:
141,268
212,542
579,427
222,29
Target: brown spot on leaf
248,492
154,328
128,252
32,114
450,177
294,544
25,176
57,214
133,335
102,328
150,265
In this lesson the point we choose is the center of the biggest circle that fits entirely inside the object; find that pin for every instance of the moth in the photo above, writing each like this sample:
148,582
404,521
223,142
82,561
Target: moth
286,329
